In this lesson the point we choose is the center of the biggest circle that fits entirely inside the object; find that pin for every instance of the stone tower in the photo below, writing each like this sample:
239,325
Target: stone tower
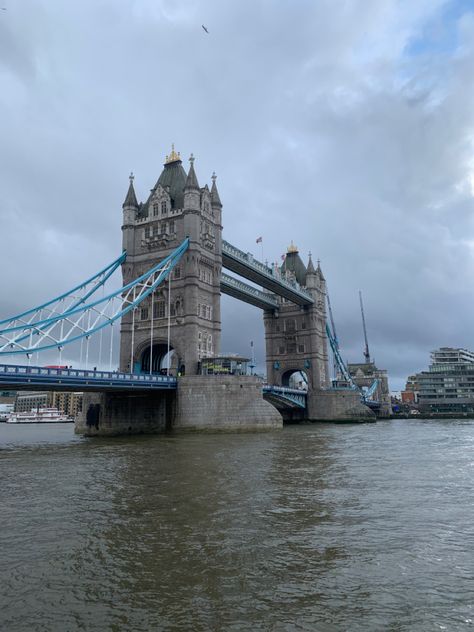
296,336
176,208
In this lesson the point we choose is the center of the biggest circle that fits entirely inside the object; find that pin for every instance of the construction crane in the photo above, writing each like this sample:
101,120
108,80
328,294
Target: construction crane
366,350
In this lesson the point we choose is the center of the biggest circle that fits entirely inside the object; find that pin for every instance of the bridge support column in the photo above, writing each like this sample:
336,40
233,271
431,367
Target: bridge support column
231,403
111,414
341,405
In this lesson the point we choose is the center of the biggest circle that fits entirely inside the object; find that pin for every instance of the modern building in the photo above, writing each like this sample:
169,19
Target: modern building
448,385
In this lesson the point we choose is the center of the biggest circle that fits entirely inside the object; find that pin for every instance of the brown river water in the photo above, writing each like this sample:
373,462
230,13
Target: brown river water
317,527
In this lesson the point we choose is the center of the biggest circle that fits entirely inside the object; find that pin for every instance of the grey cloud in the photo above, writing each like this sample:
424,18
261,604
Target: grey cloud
320,124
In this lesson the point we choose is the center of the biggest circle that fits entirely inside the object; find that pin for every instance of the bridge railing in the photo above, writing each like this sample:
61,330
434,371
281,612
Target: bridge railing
245,288
18,371
248,259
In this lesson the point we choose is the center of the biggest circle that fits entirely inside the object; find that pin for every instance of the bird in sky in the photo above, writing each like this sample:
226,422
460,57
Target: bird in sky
205,28
3,8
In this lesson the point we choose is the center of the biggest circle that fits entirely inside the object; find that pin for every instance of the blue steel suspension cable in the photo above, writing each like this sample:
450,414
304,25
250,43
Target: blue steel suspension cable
162,270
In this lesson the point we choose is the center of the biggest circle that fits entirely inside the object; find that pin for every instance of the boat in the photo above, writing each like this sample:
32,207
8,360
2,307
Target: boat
39,416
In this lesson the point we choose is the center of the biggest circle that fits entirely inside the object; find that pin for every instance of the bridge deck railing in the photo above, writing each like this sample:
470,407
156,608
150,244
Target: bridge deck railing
18,372
248,260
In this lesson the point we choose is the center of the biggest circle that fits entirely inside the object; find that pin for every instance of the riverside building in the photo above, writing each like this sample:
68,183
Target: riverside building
448,385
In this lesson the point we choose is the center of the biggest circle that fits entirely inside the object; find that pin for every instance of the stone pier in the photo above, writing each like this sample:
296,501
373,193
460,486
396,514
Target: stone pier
200,404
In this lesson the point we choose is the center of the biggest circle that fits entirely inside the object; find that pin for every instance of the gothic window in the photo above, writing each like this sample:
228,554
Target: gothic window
163,228
163,207
291,347
300,348
144,313
159,309
155,209
281,350
199,309
303,324
147,232
172,227
177,272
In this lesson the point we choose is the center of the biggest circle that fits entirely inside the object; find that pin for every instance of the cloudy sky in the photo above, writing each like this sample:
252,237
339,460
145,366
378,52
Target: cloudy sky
346,126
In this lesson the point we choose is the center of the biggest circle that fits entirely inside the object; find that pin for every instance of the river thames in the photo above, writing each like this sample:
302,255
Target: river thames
317,527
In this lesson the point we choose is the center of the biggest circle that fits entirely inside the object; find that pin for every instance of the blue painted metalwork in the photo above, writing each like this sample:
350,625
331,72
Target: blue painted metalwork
105,273
370,392
292,396
34,377
340,362
125,298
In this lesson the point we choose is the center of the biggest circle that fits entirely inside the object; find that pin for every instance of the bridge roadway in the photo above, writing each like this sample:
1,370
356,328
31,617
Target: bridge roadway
245,265
37,378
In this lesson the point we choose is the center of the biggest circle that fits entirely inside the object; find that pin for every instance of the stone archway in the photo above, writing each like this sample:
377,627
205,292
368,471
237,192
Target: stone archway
295,378
159,359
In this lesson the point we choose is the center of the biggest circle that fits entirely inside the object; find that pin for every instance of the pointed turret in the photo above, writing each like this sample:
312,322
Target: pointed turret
311,281
319,271
131,199
191,180
293,264
215,199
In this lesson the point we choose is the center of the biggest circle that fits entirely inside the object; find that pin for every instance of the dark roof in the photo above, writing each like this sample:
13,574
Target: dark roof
131,199
191,180
215,199
294,264
172,179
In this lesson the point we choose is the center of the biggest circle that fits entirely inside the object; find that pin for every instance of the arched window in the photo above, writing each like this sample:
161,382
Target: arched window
163,207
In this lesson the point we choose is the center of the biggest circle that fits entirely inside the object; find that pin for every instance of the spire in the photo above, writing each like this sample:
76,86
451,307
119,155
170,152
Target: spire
191,180
131,199
215,199
319,271
310,269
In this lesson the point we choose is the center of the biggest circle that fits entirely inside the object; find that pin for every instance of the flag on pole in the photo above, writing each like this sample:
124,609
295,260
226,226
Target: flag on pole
283,257
259,240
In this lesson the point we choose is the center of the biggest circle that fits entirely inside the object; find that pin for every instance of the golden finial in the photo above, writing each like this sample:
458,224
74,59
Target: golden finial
292,248
173,157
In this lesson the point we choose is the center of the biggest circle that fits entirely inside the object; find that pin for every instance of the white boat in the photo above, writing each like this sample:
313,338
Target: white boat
39,416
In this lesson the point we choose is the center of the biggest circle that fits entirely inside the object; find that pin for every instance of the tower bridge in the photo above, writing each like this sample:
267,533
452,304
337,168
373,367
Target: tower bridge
168,309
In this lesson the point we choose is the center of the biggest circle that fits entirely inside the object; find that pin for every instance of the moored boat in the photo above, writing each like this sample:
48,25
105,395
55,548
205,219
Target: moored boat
39,416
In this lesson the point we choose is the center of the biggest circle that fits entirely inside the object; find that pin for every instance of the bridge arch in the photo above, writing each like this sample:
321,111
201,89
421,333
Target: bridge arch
159,357
295,378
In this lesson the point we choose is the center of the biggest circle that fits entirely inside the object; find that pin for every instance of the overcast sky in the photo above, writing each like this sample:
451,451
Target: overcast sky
346,126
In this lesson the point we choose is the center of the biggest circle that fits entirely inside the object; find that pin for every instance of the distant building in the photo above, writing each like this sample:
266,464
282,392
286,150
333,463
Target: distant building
7,397
412,390
448,385
67,403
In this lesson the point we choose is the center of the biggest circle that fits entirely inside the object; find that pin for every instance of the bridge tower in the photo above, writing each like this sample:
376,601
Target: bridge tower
296,336
176,208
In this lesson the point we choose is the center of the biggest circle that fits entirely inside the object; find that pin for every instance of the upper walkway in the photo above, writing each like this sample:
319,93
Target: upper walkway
246,266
